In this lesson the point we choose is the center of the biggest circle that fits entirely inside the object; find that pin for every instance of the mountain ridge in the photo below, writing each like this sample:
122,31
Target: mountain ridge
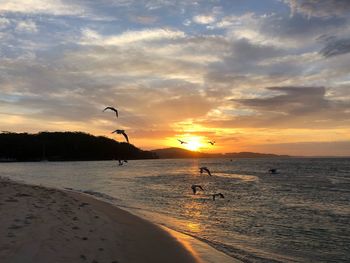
176,153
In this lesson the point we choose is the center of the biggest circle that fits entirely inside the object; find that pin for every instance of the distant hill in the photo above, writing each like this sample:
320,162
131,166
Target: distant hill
254,155
170,153
174,153
65,146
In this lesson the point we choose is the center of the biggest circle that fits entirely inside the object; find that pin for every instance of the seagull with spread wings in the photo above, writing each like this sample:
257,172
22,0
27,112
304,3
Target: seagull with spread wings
218,194
123,133
182,142
204,169
113,109
194,188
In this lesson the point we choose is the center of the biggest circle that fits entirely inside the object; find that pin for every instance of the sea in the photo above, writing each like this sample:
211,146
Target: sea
299,214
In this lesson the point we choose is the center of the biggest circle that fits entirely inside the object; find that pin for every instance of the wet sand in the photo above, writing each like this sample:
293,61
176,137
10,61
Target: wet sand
40,224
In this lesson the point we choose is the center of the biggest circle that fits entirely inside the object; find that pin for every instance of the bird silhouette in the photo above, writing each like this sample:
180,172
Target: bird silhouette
113,109
202,169
211,142
123,133
182,142
273,171
218,194
194,188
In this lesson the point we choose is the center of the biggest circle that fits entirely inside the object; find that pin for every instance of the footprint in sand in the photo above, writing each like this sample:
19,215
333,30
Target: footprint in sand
11,200
22,195
14,227
10,235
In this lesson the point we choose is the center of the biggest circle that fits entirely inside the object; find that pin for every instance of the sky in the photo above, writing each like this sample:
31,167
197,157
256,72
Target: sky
267,76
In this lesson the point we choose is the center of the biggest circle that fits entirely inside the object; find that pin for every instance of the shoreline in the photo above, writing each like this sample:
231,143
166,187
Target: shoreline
41,223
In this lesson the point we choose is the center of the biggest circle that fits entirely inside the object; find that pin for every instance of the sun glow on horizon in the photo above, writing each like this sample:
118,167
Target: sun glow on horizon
193,143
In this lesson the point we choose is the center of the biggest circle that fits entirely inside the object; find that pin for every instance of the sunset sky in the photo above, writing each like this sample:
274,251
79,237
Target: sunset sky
266,76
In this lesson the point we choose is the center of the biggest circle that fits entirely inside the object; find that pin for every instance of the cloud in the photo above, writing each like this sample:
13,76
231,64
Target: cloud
52,7
4,22
320,8
145,20
341,93
298,105
183,107
292,99
335,47
27,26
291,107
243,59
246,50
91,37
204,19
149,86
281,31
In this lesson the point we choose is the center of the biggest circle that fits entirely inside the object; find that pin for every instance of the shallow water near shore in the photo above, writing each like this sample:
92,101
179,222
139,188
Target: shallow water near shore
300,214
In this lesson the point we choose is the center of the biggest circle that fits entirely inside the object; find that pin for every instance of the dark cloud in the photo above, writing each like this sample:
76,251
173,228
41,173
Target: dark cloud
299,27
241,59
342,92
244,50
294,107
336,47
320,8
292,101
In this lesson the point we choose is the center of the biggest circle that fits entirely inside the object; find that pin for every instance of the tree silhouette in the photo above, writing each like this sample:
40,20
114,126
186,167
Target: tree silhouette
66,146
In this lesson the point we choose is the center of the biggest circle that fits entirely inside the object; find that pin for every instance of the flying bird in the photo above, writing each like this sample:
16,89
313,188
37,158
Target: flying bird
182,142
113,109
211,142
123,133
194,188
218,194
202,169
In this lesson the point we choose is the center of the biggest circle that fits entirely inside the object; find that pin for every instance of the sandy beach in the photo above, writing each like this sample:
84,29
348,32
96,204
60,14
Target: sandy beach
40,224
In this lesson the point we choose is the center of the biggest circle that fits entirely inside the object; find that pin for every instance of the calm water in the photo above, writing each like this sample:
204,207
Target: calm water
301,214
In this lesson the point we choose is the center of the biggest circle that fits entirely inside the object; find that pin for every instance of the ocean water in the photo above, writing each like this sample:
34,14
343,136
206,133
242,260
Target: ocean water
301,214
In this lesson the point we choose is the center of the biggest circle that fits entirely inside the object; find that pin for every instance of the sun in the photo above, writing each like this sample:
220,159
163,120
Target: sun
193,143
